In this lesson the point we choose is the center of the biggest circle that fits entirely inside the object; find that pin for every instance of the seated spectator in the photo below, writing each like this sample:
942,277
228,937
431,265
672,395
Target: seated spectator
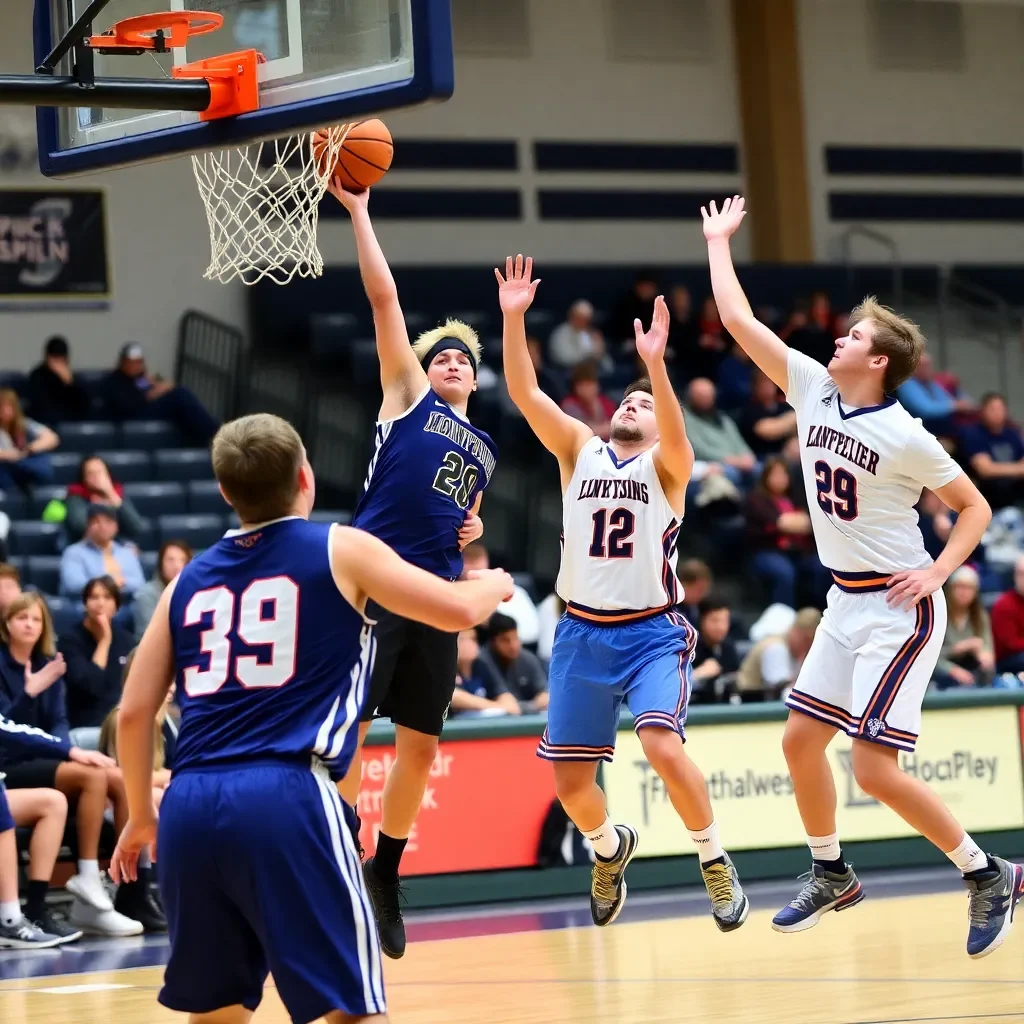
132,393
1008,624
173,557
165,742
10,585
812,329
734,380
585,401
695,576
923,396
994,450
715,658
32,694
715,437
684,330
637,304
96,487
476,691
52,389
95,652
967,657
578,339
547,380
98,553
45,812
713,343
767,423
936,521
24,445
780,538
520,671
519,606
772,665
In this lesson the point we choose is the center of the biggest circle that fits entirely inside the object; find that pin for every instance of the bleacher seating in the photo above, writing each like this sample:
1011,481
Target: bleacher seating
181,464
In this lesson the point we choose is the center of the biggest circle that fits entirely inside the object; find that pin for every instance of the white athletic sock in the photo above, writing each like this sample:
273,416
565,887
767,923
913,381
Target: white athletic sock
825,847
89,868
10,914
708,846
605,840
968,856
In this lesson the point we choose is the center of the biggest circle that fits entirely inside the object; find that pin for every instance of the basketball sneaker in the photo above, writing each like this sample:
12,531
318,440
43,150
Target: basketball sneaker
729,903
26,935
385,897
54,924
824,891
992,900
608,879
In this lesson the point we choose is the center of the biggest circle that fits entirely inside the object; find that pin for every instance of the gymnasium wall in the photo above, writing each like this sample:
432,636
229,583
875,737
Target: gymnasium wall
953,80
158,244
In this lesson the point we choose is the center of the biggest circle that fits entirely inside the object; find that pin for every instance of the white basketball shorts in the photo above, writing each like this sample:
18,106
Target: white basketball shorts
870,664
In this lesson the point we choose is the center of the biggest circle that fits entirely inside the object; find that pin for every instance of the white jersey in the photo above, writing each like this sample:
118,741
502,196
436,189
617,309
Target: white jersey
864,470
619,536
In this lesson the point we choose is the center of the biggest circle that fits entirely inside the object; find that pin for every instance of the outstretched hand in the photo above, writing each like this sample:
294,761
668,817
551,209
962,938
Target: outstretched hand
723,224
651,346
515,289
352,201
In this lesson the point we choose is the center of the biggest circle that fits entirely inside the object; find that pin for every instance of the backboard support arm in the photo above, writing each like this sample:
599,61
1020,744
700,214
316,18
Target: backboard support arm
74,35
129,93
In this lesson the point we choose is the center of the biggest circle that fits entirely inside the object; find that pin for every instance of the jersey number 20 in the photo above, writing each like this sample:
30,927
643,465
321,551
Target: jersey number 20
837,491
268,617
612,531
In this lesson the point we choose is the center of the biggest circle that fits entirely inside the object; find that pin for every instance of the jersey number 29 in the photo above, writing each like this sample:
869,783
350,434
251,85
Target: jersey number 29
837,491
268,617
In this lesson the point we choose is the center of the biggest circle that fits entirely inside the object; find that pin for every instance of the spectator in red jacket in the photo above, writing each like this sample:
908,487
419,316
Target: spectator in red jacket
1008,624
585,401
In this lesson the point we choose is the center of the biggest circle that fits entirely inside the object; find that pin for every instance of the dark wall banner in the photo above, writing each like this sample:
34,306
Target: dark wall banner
53,248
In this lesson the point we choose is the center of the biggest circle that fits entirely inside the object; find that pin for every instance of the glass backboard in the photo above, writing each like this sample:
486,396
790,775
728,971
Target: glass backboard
326,61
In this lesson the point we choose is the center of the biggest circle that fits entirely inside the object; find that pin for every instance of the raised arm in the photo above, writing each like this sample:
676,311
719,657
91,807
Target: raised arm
366,567
401,376
763,346
559,432
673,454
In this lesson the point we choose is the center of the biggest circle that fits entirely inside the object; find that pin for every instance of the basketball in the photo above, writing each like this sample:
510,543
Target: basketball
365,154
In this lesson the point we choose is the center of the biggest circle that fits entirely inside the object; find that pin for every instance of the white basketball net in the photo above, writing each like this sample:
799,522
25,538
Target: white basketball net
262,205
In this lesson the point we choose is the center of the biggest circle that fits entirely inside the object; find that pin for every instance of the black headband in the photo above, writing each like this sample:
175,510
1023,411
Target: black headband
442,346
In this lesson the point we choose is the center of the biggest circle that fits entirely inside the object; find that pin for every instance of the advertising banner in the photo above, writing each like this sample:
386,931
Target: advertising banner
53,248
483,808
970,757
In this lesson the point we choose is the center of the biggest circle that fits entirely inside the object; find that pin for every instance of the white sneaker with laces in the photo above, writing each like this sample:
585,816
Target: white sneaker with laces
90,890
102,922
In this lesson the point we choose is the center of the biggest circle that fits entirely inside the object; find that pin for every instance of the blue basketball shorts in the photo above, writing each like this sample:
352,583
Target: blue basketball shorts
6,818
258,873
596,665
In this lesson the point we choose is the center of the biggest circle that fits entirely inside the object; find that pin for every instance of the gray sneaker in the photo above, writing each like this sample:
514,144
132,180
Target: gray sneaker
608,881
729,903
26,935
992,901
824,891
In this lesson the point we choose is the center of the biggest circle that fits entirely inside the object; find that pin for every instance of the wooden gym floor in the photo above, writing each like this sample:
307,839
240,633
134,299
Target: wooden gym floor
897,957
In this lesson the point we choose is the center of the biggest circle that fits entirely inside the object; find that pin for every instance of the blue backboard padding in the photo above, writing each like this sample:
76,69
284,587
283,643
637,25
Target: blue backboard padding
433,78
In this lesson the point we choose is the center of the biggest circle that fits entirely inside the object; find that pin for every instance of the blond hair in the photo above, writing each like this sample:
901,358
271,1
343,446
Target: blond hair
256,460
108,731
46,644
16,428
898,339
451,329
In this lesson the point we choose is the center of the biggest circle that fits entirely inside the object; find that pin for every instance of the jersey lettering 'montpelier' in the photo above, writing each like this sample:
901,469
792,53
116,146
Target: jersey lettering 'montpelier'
864,470
619,534
271,662
426,472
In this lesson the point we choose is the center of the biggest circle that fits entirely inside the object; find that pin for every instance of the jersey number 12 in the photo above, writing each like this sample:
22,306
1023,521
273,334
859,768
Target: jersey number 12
612,531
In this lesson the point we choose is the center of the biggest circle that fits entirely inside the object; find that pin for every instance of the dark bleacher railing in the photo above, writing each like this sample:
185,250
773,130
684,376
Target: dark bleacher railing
212,361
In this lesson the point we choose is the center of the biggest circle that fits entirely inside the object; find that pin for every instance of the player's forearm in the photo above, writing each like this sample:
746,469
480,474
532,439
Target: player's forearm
971,524
667,412
733,307
135,749
378,280
520,376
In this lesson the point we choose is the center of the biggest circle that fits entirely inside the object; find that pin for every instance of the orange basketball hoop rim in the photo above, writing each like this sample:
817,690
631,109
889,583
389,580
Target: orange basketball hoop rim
158,32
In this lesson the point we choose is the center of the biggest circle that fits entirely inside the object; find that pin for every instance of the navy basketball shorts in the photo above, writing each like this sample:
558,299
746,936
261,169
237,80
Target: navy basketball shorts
6,818
596,665
258,873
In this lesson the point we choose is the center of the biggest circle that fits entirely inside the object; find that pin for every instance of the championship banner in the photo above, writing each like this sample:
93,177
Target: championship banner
970,757
53,248
483,809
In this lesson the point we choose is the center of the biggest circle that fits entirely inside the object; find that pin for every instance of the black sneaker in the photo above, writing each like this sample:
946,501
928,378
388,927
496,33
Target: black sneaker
608,879
55,924
134,900
386,909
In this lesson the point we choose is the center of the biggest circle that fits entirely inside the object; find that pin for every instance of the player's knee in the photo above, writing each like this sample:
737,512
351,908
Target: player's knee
115,781
662,747
573,779
91,780
416,750
54,804
875,768
804,737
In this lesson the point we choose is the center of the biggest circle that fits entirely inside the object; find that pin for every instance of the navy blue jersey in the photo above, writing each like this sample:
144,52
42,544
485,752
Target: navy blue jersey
270,660
428,468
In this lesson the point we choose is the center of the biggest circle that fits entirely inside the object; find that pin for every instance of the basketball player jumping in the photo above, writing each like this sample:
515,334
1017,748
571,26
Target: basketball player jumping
266,636
865,461
621,637
423,490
